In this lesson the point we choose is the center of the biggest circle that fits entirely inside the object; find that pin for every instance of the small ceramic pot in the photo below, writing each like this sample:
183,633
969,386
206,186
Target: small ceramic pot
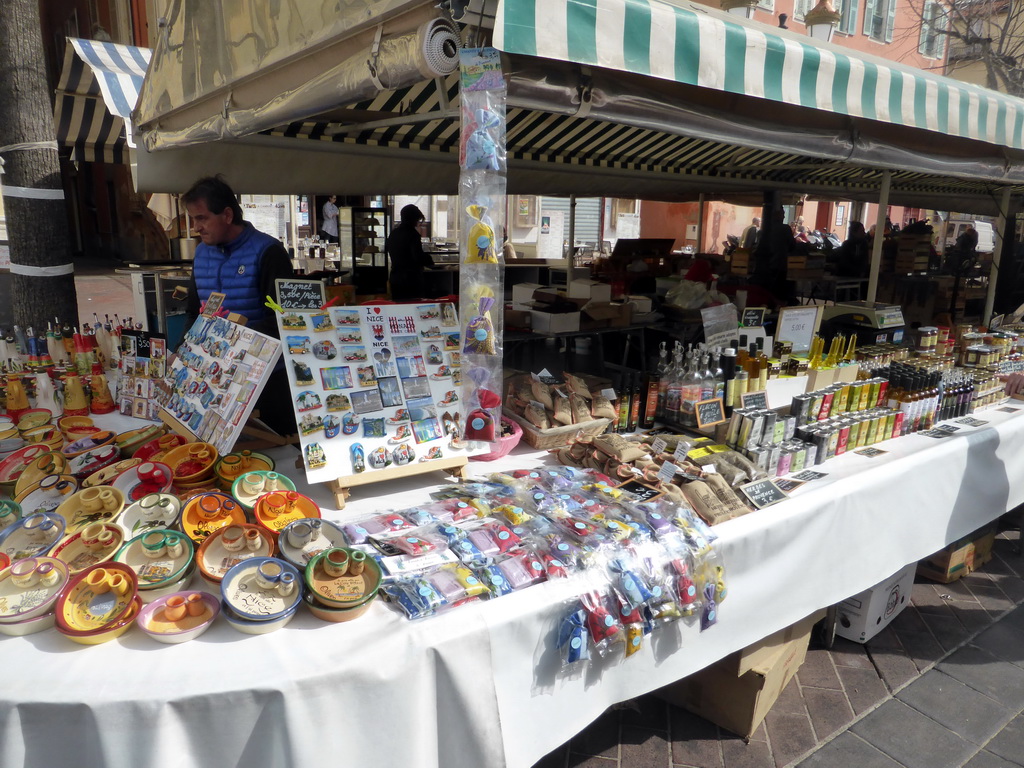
336,562
174,608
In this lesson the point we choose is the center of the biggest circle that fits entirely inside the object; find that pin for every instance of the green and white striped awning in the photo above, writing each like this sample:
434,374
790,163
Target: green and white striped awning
696,45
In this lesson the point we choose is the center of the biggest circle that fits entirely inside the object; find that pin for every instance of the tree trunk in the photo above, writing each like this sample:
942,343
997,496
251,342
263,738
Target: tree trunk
37,228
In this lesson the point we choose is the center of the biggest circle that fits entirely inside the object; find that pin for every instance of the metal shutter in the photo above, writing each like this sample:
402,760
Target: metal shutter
588,216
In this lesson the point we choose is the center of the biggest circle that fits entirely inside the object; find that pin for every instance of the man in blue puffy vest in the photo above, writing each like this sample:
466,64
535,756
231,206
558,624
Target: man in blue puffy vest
236,259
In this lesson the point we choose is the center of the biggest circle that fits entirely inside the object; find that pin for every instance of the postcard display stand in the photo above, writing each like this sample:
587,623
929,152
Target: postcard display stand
375,391
219,372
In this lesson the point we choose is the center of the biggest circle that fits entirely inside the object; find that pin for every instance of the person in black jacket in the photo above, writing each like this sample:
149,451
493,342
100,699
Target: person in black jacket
408,260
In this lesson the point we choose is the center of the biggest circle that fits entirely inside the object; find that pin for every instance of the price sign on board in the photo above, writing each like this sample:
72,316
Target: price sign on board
300,294
710,412
643,492
758,399
763,493
798,326
754,316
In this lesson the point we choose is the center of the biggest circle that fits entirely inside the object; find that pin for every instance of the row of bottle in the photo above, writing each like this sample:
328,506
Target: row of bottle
637,402
925,397
694,374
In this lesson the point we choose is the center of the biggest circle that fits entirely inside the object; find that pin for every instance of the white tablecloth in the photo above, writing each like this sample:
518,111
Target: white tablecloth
478,686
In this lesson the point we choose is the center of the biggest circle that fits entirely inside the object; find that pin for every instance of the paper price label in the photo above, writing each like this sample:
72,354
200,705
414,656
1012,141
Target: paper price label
667,472
681,449
658,446
608,393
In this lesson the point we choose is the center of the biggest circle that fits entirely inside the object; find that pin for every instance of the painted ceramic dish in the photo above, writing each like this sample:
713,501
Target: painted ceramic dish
143,479
109,632
12,467
68,423
168,624
106,475
4,561
250,486
159,558
32,535
48,494
275,510
130,441
158,510
226,547
154,450
256,627
343,578
94,544
192,462
8,431
262,589
51,463
96,440
85,464
231,466
29,626
302,540
99,596
29,588
10,513
34,417
207,512
80,433
333,613
91,505
10,445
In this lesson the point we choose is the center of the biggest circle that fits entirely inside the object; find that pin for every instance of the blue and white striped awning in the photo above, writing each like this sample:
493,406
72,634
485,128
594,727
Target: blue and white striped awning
696,45
98,88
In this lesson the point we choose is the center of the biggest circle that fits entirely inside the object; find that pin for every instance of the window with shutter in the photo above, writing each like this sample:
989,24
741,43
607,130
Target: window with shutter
869,13
890,21
848,21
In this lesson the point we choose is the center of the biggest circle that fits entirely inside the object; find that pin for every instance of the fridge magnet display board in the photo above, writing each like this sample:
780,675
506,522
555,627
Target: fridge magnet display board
143,364
219,372
375,389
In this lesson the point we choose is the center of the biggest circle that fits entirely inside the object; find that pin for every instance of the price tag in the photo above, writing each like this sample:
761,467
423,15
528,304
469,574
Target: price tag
658,446
300,294
681,450
754,316
763,493
667,472
788,484
809,474
970,421
642,491
872,452
758,399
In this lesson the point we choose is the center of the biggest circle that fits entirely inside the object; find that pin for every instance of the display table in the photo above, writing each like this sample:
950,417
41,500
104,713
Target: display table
479,686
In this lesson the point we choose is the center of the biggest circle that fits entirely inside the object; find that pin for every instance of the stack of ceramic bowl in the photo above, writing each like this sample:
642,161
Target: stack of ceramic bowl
226,547
163,561
91,505
45,465
192,465
231,466
34,418
47,435
15,463
261,594
28,591
250,486
273,511
155,449
85,464
98,604
32,535
302,540
158,510
76,427
107,475
143,479
178,617
91,442
93,545
10,438
341,584
205,513
129,442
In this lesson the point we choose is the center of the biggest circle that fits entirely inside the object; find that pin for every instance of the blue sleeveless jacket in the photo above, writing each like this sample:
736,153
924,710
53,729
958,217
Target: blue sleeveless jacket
234,270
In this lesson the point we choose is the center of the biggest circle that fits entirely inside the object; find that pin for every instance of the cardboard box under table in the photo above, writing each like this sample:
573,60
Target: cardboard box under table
737,692
961,557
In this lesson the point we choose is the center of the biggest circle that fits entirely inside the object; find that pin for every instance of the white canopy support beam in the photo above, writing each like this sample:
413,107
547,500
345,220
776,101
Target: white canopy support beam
876,243
993,272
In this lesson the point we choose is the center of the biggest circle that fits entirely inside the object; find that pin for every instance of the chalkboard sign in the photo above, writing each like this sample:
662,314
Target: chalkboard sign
643,492
300,294
763,493
758,399
753,316
710,412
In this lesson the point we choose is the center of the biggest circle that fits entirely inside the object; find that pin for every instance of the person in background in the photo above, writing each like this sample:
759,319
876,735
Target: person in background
751,234
236,259
770,258
408,260
854,256
329,229
508,251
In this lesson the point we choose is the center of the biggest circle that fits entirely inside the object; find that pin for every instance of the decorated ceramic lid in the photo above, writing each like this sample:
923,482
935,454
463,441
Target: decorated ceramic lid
157,510
12,467
206,512
84,464
143,479
50,463
98,597
106,475
343,577
262,588
91,505
301,540
48,494
155,449
248,487
10,513
32,535
226,547
158,557
276,509
96,543
30,587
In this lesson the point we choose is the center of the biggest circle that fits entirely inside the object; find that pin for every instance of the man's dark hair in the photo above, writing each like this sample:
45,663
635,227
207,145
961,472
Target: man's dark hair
217,195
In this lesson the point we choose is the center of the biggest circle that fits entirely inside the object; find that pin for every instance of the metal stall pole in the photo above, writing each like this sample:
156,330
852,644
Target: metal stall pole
700,222
993,271
570,259
876,244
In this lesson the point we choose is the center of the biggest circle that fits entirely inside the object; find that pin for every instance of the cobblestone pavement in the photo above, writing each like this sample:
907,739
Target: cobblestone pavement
941,687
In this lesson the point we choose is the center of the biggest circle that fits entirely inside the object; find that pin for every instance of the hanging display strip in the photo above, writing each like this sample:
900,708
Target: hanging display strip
374,388
143,364
219,372
482,195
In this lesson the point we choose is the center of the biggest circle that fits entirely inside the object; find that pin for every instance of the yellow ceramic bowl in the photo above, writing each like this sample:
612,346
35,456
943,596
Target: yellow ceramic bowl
109,633
129,442
73,422
51,463
34,417
91,505
43,433
95,599
106,475
207,512
94,544
274,510
231,466
191,463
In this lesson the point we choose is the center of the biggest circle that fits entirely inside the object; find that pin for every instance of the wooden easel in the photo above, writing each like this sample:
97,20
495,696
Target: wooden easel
342,486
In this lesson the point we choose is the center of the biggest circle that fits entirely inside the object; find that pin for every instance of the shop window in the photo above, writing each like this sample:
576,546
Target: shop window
932,42
879,19
766,5
801,7
848,20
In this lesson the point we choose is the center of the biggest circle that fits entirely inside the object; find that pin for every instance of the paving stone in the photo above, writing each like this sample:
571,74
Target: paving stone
992,598
922,647
818,671
926,599
829,710
911,738
590,761
644,712
895,669
948,630
695,741
909,620
846,653
1009,742
600,738
736,754
987,760
885,640
1011,586
789,735
957,590
983,672
644,747
973,618
556,759
847,749
863,687
790,701
960,708
1006,551
1003,641
1014,618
